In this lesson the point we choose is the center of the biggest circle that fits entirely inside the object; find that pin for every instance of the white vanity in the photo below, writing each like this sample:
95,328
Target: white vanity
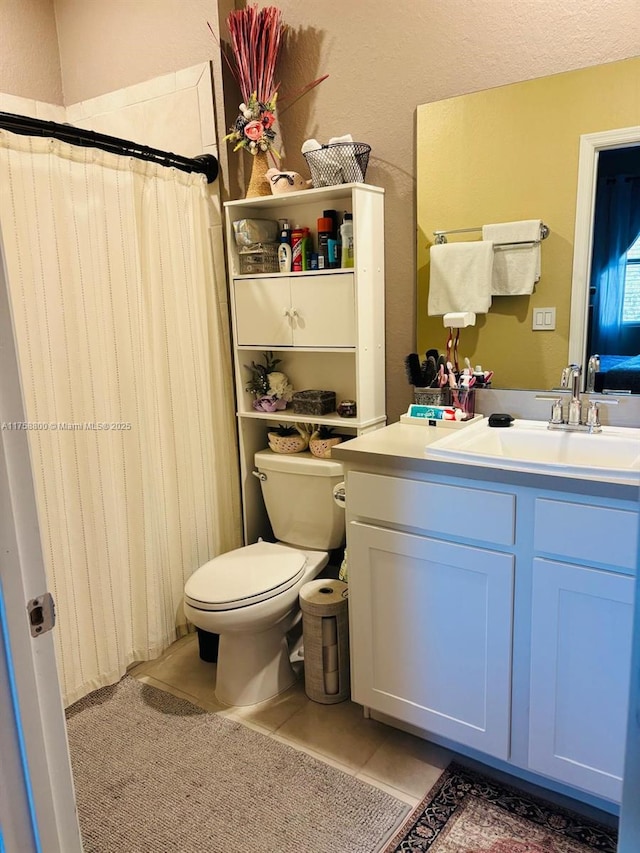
491,609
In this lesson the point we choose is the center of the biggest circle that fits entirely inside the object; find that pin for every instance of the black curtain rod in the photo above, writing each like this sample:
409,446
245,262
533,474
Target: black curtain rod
205,164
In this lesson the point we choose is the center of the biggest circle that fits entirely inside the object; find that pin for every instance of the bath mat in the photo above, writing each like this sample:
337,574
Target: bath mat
465,812
155,773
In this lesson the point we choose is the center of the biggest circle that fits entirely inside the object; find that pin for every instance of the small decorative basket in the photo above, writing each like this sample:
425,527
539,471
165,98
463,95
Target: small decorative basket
286,443
339,163
321,447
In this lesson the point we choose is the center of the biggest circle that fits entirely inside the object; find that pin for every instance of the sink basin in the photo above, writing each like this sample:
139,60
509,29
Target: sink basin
612,455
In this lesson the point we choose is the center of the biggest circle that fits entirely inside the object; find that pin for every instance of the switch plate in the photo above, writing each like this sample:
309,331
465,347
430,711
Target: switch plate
544,319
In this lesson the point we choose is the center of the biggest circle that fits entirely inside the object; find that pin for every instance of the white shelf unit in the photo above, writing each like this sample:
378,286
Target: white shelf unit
326,326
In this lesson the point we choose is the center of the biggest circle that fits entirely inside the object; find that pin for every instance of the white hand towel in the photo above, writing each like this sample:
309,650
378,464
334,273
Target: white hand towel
516,269
460,277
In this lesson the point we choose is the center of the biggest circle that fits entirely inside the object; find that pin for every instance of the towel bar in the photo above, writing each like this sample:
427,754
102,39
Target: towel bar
441,236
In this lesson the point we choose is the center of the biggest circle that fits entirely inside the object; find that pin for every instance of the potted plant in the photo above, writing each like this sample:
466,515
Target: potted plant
322,440
288,439
271,389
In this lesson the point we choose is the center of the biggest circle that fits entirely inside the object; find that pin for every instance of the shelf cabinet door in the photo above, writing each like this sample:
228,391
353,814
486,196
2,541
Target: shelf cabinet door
263,312
580,670
431,634
325,311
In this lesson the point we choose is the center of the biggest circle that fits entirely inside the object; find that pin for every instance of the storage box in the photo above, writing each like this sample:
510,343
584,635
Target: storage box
314,402
261,258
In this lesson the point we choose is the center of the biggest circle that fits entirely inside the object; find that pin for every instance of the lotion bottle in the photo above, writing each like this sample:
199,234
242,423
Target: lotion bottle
346,232
284,249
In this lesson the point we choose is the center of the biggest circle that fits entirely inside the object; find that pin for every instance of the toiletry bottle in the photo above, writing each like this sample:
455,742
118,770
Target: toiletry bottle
346,233
300,249
284,249
324,235
332,243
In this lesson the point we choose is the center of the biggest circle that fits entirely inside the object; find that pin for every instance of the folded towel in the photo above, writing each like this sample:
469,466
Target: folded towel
516,269
460,277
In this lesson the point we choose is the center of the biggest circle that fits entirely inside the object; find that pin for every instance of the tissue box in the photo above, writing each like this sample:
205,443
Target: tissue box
314,402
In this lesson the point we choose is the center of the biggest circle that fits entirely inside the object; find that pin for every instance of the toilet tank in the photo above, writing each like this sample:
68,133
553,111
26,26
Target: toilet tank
298,493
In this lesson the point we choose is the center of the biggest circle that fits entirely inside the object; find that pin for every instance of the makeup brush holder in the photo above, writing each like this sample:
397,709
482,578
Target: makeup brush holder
432,396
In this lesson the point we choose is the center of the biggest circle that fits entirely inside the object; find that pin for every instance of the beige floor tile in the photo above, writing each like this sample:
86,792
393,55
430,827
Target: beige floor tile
336,731
407,763
389,789
274,712
181,694
182,667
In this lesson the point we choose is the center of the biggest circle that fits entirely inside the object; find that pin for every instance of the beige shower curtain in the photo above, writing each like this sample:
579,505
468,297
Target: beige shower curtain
121,322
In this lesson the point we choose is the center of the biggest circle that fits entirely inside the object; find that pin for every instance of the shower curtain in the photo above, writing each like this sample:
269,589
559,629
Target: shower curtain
121,323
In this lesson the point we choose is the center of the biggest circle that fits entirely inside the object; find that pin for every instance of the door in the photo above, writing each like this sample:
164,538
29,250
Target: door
263,312
323,311
431,626
38,811
581,627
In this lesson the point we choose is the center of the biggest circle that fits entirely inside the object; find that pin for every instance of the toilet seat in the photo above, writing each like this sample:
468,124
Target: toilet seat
244,576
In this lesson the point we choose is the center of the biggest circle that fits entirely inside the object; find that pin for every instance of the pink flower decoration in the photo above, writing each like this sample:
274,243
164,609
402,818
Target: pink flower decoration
267,120
253,130
269,403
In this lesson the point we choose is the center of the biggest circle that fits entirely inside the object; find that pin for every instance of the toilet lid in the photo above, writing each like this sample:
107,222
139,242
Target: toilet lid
244,576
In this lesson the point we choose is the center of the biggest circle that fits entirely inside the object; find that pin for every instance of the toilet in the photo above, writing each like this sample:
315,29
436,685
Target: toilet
249,596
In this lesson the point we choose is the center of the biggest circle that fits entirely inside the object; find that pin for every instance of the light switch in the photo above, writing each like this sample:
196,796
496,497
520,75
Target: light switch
544,319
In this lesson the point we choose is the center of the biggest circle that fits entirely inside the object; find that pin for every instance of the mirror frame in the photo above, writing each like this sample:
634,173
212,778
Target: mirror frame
591,144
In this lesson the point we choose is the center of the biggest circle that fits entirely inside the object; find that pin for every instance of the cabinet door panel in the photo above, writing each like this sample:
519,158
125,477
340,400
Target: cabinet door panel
262,308
325,311
431,634
580,669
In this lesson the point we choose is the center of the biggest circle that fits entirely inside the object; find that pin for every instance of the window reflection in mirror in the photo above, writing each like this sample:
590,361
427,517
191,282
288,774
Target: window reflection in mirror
614,291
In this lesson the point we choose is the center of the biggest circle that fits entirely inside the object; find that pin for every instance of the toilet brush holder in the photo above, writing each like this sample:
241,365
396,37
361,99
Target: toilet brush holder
325,636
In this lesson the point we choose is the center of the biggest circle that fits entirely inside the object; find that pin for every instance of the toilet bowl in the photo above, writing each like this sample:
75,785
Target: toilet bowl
249,596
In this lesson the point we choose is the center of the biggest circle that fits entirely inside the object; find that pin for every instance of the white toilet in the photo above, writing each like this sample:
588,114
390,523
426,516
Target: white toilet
250,596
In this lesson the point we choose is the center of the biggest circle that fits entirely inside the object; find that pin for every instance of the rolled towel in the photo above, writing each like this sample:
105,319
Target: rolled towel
310,145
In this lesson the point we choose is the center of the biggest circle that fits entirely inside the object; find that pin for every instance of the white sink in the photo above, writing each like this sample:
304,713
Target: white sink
612,455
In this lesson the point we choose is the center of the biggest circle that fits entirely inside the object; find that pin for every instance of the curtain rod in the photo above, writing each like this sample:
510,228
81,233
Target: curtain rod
205,164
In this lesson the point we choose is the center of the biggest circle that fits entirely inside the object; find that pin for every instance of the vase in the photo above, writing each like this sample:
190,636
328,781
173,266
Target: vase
258,183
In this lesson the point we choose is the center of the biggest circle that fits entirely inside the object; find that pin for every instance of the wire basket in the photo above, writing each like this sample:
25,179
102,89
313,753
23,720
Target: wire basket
339,163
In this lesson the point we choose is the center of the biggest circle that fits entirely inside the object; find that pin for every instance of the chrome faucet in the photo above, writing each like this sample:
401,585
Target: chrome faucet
570,383
593,367
575,406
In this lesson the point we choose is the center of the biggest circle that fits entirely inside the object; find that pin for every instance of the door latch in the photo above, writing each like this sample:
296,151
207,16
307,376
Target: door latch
42,614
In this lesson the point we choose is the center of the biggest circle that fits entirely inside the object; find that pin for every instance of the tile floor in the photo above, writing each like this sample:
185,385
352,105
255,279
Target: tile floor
396,762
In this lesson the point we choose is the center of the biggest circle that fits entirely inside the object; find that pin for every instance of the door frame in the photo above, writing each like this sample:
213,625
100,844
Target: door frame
37,701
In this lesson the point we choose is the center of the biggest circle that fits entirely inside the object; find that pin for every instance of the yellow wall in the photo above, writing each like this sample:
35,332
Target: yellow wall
506,154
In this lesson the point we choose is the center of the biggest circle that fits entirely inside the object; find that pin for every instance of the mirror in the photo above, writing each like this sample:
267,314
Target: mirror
507,154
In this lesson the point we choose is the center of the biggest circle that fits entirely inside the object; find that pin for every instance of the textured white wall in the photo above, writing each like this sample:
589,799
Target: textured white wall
29,59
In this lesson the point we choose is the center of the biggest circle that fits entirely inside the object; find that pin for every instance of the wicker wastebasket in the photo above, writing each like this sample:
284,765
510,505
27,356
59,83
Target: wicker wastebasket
325,632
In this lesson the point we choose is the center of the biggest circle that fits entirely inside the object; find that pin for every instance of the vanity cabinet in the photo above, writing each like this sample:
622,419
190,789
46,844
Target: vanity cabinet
496,617
581,627
325,326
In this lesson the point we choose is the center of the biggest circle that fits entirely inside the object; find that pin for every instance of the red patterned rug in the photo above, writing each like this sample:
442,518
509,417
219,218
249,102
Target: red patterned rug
468,813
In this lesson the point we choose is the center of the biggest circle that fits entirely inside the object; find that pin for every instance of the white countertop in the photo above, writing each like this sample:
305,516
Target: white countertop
400,449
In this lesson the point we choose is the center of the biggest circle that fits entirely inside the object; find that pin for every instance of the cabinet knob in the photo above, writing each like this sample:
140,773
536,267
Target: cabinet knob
293,313
286,312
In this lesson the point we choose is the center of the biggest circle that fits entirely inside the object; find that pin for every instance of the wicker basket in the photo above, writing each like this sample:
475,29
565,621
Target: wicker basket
321,447
340,163
286,443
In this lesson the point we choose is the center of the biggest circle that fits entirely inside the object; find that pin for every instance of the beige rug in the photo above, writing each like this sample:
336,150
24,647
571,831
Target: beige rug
468,813
155,774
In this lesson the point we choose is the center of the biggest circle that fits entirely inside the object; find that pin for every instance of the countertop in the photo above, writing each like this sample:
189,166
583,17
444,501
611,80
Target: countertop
398,449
